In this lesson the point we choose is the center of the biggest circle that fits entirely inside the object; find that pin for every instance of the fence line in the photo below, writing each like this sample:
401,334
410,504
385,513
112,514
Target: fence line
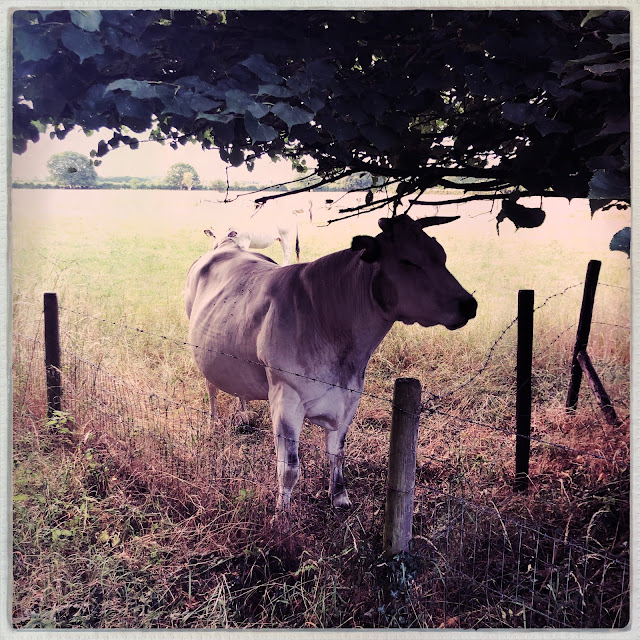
434,396
331,384
427,408
474,557
71,374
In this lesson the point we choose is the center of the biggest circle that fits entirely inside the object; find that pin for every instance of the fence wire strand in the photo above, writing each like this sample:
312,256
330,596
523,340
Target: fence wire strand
159,441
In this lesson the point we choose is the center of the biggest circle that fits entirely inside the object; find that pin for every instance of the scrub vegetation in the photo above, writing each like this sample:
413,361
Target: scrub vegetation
94,548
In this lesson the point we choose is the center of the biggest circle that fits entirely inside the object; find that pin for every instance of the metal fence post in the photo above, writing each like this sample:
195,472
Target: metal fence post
523,388
52,353
584,327
401,474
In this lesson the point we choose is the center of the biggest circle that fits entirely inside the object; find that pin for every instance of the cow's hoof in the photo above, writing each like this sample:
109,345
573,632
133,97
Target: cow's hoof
341,501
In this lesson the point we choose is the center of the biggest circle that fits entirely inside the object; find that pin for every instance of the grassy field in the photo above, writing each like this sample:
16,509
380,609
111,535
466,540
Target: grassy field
92,549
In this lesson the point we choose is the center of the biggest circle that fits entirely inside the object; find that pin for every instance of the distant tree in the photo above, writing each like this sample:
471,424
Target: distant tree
187,180
217,185
182,176
72,169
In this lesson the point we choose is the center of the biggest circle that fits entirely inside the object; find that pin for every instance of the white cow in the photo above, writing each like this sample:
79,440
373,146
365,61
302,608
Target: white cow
301,336
260,231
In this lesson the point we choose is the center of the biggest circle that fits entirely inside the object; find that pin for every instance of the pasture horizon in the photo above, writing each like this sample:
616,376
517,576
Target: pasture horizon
124,255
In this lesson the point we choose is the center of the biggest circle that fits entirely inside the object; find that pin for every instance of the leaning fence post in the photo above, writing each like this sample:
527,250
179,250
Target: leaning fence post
523,388
401,474
584,327
52,353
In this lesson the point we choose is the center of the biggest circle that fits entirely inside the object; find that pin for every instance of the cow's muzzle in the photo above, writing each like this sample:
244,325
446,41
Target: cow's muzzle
467,308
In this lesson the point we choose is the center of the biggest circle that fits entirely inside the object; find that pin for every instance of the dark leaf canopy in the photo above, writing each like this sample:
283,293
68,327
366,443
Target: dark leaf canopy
496,102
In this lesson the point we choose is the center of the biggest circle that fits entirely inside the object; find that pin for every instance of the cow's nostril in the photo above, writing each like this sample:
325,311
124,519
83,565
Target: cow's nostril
468,307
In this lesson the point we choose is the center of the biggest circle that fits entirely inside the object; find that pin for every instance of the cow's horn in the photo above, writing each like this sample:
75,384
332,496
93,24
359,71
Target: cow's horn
434,220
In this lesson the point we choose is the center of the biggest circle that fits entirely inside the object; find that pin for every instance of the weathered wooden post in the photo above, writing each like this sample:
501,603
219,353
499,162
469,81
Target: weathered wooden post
584,327
523,388
602,397
52,353
401,474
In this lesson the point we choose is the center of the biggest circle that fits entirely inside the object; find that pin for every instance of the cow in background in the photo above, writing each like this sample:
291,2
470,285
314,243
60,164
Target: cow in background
260,230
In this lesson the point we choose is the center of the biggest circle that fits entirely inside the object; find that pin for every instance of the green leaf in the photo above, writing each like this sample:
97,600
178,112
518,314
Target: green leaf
291,115
266,71
20,497
548,125
520,113
84,45
35,48
56,534
239,102
603,69
174,103
621,241
609,184
86,20
592,14
138,88
618,39
274,90
521,216
382,137
216,117
257,131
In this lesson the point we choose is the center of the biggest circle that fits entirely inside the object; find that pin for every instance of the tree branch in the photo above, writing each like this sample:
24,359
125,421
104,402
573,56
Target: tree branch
305,189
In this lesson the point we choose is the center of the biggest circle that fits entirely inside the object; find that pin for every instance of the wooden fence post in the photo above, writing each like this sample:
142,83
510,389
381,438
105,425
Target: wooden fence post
602,397
584,327
52,353
401,474
523,388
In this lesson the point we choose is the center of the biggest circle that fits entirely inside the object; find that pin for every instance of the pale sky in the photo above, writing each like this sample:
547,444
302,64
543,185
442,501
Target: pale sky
151,159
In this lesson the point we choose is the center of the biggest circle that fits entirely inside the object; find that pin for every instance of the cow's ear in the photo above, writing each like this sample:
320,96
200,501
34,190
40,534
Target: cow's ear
208,232
370,245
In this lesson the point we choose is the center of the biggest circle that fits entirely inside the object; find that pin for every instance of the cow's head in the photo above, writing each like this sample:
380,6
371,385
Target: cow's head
411,282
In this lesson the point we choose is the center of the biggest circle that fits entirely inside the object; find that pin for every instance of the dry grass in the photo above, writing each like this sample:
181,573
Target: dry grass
106,541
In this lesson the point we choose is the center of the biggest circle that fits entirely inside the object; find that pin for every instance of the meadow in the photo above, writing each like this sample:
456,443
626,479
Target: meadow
100,557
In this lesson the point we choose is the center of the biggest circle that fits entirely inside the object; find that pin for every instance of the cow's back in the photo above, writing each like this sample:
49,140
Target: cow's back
227,299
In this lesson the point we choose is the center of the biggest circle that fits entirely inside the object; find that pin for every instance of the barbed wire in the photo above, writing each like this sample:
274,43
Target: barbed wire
434,396
440,396
228,355
425,408
531,438
613,286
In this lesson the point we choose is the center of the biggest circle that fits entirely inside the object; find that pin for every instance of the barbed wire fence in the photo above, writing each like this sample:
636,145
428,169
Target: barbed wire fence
227,473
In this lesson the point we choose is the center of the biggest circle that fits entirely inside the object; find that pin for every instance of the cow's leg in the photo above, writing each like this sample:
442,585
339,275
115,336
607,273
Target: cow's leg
212,390
334,442
286,249
243,415
287,414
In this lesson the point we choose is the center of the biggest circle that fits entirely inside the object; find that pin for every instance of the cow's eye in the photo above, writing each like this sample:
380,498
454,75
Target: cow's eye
408,263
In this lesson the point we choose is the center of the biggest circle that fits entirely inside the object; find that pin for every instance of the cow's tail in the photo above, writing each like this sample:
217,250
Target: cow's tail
297,246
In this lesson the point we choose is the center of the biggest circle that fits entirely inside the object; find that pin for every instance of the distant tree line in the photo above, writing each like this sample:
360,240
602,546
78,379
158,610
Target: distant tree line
72,170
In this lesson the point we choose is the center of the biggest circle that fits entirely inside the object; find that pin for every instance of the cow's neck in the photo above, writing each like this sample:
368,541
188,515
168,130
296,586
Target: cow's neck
344,307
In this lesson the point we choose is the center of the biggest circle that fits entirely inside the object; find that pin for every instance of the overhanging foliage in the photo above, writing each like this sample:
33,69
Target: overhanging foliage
501,103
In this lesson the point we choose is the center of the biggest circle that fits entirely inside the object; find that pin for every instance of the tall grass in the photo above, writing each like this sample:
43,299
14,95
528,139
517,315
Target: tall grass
88,539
